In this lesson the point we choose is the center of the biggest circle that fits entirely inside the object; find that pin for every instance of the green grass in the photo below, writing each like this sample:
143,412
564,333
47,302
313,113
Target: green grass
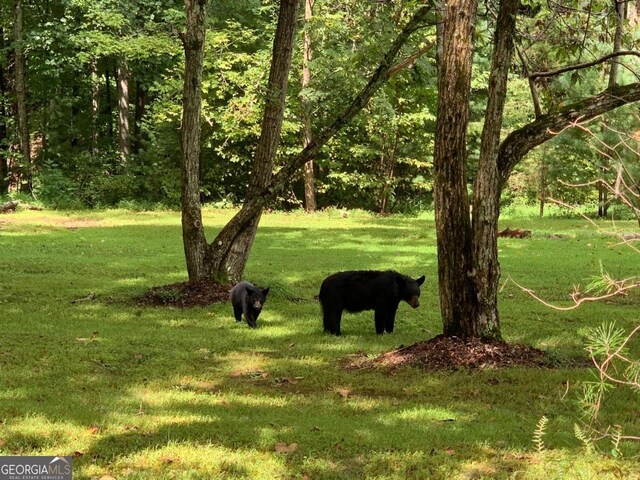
155,393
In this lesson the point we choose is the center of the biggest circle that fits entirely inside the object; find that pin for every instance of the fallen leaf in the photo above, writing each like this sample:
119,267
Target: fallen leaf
343,392
77,454
167,460
284,448
93,429
450,451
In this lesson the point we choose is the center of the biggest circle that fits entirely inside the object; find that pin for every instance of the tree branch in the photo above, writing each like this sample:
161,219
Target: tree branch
580,66
519,142
409,61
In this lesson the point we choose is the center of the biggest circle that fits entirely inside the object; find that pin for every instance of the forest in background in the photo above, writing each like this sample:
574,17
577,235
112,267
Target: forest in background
99,85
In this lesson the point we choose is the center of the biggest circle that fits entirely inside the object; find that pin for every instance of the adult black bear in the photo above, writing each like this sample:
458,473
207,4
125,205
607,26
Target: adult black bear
248,299
367,290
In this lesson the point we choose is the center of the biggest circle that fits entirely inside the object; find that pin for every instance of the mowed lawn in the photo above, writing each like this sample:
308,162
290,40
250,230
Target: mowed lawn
153,393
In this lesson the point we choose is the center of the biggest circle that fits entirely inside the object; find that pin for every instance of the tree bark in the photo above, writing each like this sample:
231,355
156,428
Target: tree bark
450,189
193,237
21,94
232,264
4,165
252,207
485,272
122,72
309,177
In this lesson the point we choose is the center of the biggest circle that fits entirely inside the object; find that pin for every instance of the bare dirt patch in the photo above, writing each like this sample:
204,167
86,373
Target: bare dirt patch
72,223
453,353
186,294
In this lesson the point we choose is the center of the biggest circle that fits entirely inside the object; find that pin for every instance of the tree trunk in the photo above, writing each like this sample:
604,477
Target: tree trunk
542,182
387,167
75,111
232,264
107,104
21,95
309,178
95,105
450,189
252,207
619,14
141,106
485,271
122,72
4,165
193,237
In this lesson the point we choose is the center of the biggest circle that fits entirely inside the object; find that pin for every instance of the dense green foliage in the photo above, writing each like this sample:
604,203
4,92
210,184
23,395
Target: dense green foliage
157,393
73,46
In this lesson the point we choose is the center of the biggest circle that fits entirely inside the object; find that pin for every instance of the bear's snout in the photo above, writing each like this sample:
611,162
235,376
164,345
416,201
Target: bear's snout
415,302
257,304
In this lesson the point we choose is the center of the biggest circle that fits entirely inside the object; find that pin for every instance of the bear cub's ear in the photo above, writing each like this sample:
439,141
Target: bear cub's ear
265,292
420,280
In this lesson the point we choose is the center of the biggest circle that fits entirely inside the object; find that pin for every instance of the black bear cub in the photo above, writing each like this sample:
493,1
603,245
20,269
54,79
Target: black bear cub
367,290
248,299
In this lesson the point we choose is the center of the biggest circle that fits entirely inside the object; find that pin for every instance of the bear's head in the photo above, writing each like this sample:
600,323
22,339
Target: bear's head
409,289
257,297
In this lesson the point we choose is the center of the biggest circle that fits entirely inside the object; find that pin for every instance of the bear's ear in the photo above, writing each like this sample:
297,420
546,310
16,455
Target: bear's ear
265,292
420,280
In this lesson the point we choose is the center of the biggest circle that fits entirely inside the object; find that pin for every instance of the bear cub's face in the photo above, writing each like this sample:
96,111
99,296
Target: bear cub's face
410,289
256,297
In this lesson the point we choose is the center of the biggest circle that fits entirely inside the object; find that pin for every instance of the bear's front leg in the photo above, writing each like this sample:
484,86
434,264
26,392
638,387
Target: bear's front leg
390,320
252,318
237,313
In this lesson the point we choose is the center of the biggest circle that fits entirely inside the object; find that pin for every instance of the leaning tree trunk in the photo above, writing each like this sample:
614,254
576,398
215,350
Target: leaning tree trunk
193,237
485,272
450,189
123,109
232,265
21,92
309,177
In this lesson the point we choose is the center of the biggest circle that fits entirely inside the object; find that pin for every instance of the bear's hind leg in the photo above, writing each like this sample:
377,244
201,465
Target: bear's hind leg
331,319
380,320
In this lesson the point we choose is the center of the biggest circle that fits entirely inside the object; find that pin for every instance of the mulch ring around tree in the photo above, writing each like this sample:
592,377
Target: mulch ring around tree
453,353
186,294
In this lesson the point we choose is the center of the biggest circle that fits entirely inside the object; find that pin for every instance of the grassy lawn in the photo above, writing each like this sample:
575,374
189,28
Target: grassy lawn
155,393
